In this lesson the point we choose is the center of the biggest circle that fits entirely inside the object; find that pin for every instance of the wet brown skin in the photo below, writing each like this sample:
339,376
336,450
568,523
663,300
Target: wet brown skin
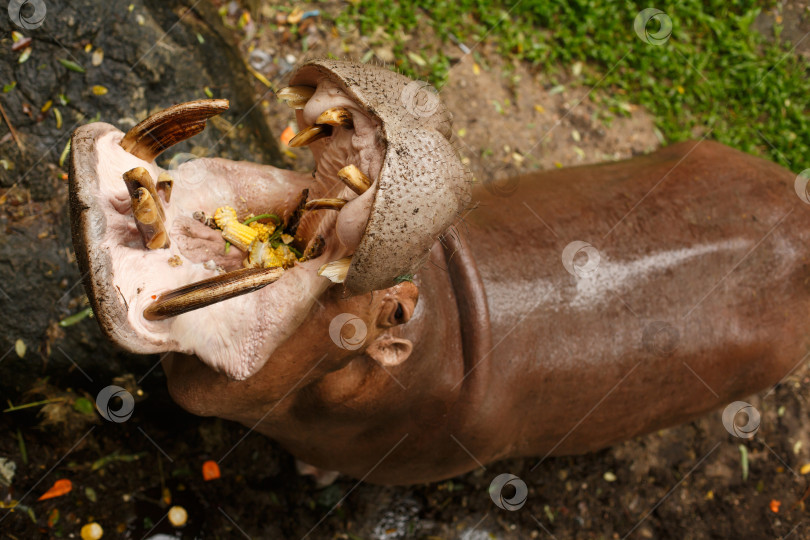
544,378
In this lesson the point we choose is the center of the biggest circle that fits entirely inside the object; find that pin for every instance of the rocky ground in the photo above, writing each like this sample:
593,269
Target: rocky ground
694,481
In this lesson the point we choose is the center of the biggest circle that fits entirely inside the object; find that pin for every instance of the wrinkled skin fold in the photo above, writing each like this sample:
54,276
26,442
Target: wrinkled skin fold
496,348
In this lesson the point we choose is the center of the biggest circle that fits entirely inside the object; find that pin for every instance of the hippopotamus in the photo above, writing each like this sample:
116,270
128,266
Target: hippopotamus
433,324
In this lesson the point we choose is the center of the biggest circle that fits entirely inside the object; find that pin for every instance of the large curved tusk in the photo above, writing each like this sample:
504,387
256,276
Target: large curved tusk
210,291
170,126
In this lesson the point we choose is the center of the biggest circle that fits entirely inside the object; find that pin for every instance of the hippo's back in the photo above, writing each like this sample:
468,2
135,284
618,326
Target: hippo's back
629,296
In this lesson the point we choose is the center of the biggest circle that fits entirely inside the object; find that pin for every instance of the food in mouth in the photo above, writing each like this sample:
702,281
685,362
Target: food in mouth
224,259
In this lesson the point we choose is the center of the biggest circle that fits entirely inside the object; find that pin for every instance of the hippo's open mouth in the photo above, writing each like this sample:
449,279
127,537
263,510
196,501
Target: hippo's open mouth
161,278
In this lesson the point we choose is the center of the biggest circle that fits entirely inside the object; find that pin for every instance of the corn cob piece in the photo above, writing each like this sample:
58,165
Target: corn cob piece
263,255
264,230
224,215
241,236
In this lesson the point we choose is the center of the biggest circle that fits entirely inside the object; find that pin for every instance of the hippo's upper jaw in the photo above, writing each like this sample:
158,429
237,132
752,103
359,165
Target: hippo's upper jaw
159,274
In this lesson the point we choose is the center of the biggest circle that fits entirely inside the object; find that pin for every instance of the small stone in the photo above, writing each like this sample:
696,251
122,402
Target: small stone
178,516
609,477
20,348
97,58
92,531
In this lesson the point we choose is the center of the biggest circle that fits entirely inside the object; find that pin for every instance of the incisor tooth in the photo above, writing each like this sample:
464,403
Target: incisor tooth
336,116
325,204
140,178
336,271
144,208
296,96
165,183
210,291
148,220
309,135
354,178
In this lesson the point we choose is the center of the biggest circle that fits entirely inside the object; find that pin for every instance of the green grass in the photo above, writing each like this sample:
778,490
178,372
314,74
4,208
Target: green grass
714,73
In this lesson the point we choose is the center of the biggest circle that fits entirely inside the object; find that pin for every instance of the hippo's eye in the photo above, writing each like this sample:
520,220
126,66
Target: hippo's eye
393,313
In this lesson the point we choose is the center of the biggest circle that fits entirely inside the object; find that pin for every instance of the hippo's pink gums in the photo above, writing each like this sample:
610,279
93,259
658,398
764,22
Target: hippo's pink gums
692,298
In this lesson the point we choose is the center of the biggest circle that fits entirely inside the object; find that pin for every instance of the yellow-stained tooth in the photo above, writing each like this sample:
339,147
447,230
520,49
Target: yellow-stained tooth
144,208
354,178
325,204
309,135
140,178
240,235
336,116
164,186
336,271
148,220
296,96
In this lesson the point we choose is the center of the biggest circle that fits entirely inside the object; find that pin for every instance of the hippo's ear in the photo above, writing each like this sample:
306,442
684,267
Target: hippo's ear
390,351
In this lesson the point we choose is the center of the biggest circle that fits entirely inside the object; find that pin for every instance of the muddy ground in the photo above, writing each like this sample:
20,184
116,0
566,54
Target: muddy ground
681,483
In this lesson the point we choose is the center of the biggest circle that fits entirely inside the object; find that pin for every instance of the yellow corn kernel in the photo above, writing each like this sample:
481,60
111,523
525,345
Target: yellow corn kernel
287,256
241,236
264,230
272,258
224,215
